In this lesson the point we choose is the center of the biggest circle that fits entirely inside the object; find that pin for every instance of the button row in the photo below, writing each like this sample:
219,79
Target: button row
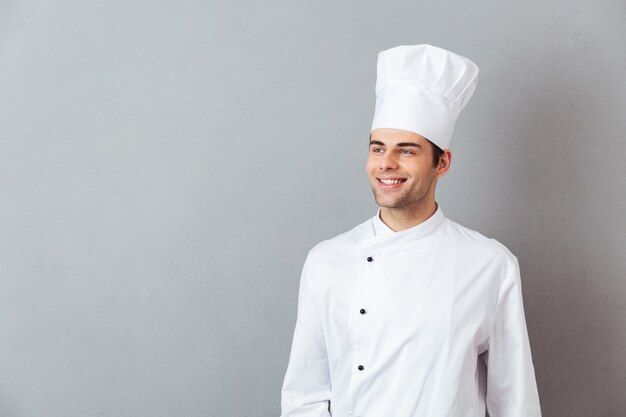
363,311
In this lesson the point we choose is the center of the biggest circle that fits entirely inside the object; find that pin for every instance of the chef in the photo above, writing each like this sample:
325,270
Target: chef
410,314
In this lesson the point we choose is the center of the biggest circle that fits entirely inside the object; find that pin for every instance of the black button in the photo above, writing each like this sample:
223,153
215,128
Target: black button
370,259
360,367
362,311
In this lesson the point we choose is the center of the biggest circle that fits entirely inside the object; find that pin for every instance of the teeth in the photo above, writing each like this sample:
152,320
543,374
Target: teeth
390,182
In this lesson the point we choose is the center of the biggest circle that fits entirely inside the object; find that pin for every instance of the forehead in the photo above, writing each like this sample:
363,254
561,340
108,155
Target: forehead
390,136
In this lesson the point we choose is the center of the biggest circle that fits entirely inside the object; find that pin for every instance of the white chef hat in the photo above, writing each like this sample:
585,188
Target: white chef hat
422,89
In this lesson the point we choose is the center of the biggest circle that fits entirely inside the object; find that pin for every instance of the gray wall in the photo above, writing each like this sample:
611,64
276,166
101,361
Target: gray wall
165,167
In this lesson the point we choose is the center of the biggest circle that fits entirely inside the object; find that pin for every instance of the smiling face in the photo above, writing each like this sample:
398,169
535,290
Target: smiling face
400,169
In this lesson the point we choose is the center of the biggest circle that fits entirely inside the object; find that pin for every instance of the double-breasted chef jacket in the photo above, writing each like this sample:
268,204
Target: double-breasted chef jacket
395,324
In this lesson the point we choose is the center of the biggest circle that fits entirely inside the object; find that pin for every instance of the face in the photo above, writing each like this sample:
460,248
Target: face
400,169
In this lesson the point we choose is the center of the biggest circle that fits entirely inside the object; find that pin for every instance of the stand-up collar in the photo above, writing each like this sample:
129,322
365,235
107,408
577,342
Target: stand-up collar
383,237
380,228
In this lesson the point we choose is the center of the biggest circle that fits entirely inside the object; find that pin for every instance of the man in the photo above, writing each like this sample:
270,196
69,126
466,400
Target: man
410,314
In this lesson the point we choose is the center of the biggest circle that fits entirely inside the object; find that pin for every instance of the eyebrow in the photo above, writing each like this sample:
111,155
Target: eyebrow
400,145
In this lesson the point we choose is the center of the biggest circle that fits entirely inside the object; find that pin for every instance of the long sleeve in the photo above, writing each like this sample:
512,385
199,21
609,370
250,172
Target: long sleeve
306,388
511,384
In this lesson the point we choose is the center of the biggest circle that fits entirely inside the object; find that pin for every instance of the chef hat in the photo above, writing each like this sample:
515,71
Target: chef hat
422,89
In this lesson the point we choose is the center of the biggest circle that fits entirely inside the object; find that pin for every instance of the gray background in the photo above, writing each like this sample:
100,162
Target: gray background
165,167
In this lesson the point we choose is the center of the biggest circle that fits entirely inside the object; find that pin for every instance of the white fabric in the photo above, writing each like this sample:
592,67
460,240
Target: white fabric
380,228
437,296
422,89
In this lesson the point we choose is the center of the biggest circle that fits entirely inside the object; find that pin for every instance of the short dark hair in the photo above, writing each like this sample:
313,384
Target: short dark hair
437,152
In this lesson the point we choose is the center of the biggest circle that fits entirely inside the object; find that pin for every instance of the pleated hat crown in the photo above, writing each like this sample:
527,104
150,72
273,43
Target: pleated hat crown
422,89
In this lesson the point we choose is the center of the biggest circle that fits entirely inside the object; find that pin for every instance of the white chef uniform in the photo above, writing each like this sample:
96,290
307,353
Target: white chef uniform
391,324
396,324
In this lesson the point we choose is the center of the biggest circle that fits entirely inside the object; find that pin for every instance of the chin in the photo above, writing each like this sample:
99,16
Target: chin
381,202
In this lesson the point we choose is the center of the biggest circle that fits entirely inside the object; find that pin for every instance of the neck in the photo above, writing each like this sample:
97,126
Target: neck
399,219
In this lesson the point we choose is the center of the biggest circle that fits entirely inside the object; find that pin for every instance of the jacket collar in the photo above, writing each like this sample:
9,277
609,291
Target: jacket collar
378,237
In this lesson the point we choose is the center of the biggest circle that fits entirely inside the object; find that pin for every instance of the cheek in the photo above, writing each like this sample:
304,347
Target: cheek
418,171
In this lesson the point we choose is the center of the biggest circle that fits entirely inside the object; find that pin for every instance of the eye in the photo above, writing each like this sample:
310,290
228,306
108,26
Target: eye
405,152
377,150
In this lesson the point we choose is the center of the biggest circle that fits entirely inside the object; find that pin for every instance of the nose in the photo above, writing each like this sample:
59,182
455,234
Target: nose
388,161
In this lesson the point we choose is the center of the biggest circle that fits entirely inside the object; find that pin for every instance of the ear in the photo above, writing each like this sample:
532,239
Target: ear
444,163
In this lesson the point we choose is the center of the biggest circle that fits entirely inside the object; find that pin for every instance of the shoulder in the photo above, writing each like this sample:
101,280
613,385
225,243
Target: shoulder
477,244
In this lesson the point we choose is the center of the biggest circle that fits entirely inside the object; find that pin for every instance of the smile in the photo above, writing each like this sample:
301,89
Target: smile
391,182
